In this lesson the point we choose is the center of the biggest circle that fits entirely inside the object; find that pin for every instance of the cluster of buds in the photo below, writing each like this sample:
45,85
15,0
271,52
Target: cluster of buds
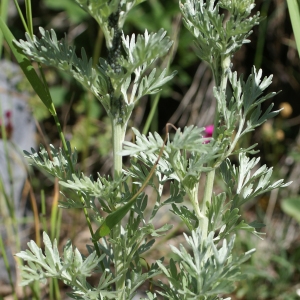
237,6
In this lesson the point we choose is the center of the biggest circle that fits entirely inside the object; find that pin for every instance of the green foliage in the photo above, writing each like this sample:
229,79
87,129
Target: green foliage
49,51
119,205
249,184
140,55
57,164
216,38
245,179
102,188
191,139
72,269
102,80
225,219
206,272
242,112
102,11
247,98
172,163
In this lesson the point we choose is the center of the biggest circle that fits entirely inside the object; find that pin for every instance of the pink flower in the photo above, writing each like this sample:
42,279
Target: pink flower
208,132
209,129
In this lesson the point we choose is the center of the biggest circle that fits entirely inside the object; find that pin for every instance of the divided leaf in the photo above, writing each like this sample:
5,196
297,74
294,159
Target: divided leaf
253,183
206,271
144,50
51,52
72,267
56,163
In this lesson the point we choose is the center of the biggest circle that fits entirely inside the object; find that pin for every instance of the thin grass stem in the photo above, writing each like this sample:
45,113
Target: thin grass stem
152,113
35,215
29,17
43,211
21,16
7,267
3,14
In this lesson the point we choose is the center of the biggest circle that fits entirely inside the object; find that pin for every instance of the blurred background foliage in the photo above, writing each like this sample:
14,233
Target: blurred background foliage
275,268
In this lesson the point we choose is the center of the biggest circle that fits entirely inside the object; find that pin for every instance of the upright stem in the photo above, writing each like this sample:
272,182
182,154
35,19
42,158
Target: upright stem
193,196
118,132
118,138
209,185
210,177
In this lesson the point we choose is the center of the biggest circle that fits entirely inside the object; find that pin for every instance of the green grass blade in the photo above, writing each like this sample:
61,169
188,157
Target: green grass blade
28,69
113,219
294,11
3,14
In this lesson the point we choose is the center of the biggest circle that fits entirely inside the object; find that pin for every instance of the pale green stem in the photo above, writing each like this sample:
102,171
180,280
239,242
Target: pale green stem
193,196
237,136
118,138
203,221
118,131
210,177
209,185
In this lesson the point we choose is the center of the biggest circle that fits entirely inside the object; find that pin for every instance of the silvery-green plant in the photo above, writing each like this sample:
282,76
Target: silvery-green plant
206,267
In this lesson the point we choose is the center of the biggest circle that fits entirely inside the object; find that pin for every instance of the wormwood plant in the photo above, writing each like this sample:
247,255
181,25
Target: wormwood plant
206,266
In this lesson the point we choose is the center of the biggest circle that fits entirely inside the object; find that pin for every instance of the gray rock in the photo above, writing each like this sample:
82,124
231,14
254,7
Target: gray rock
20,128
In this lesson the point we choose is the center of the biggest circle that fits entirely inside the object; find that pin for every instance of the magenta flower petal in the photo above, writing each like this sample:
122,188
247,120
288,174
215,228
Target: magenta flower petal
209,130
